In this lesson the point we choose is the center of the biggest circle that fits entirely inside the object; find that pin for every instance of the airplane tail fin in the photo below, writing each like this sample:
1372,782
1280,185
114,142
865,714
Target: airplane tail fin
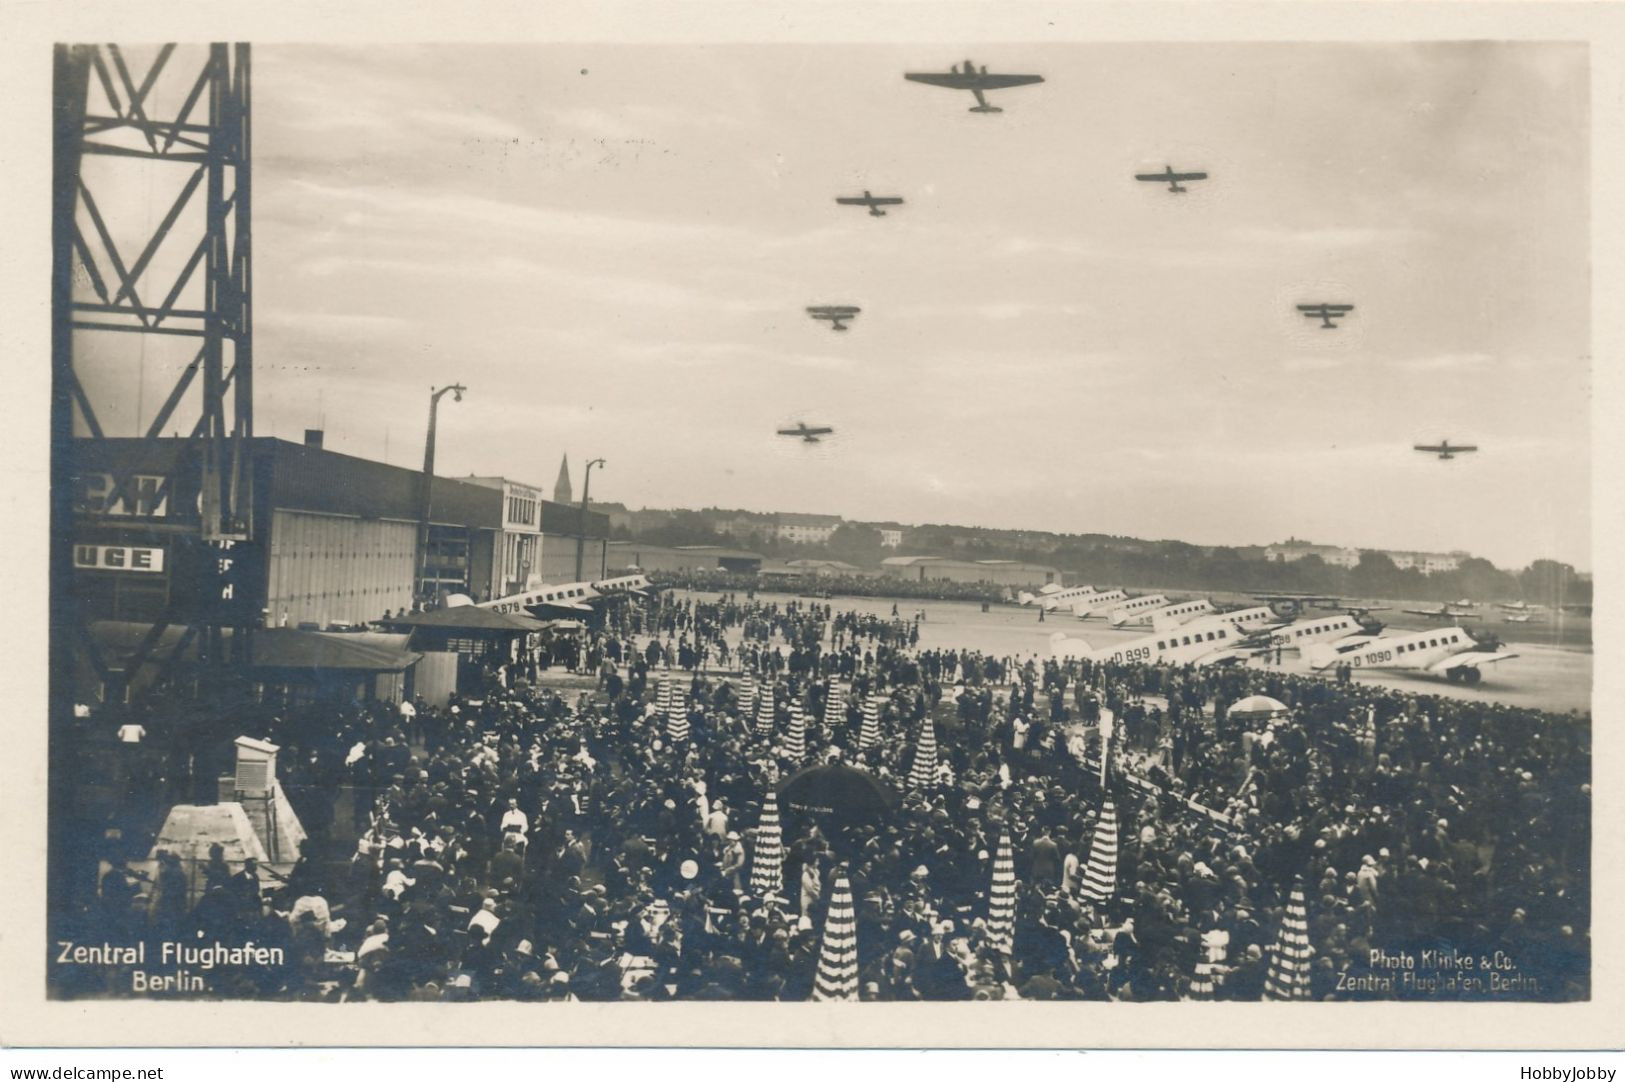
1117,618
1063,645
1320,655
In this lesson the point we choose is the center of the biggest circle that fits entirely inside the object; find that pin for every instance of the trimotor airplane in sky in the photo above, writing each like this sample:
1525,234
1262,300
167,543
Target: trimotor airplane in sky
810,433
837,314
1052,597
1170,177
1443,612
1326,313
1453,651
1444,450
873,202
977,82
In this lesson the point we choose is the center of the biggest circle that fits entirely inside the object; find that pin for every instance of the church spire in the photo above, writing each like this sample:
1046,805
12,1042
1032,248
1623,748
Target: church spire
561,487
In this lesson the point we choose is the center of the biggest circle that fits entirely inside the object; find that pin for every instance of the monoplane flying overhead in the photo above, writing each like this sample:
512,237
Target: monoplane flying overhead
977,81
873,202
1326,313
809,433
838,315
1171,178
1444,449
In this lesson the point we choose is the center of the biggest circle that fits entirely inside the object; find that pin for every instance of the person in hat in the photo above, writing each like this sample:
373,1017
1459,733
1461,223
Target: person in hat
733,861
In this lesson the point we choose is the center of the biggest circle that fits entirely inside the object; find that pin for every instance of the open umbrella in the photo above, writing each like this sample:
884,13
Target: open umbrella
836,787
924,771
767,863
1288,976
1256,706
1001,905
764,711
1100,876
869,736
838,954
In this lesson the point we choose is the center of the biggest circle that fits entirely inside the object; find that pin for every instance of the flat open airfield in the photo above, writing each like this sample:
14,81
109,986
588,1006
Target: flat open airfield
1543,676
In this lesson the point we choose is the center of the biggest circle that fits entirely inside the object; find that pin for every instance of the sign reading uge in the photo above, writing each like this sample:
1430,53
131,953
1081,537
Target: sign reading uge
117,558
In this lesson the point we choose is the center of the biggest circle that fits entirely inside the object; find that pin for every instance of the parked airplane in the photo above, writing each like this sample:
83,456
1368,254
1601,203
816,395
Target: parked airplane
1171,616
873,202
977,82
1517,606
1170,177
839,315
1444,450
1134,606
1084,607
1344,632
1523,618
1453,651
1050,599
1326,313
1210,645
1443,612
572,598
810,433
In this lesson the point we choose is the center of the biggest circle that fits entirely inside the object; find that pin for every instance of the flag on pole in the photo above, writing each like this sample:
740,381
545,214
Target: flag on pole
795,741
764,711
1288,976
1001,905
835,707
869,736
923,774
1100,877
838,954
767,863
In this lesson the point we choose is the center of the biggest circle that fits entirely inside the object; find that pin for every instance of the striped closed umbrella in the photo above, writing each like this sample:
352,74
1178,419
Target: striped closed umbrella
764,711
1288,976
923,774
747,693
835,706
1211,952
767,863
838,953
677,723
662,698
795,740
869,736
1001,904
1100,877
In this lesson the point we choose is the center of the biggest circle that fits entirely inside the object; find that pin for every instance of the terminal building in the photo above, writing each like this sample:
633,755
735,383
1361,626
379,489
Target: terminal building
1013,573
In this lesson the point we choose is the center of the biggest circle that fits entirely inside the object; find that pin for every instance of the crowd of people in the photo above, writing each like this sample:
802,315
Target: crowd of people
552,834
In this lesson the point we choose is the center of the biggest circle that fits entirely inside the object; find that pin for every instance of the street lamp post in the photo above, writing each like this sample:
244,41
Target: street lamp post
581,515
426,487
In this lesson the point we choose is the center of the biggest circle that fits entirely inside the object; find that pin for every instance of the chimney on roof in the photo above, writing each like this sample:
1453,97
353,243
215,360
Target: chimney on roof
313,438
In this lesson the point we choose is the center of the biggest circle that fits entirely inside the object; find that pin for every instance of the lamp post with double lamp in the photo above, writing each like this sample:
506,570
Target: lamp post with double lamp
581,515
426,488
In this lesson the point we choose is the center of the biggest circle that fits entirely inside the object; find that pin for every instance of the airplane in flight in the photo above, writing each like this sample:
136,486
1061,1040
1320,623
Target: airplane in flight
1444,450
1170,177
839,315
873,202
1455,651
572,598
977,82
809,433
1443,612
1326,313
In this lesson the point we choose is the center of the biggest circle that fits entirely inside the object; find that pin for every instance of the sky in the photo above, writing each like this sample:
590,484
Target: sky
613,247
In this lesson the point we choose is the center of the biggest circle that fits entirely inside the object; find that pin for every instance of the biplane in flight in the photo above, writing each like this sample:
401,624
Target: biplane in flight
1326,313
838,315
1171,178
1444,449
873,202
809,433
978,82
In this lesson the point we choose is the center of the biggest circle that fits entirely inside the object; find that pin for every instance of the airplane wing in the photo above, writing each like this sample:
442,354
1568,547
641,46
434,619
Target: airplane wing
1435,450
1151,176
817,432
1464,448
1189,176
1472,659
852,200
885,201
953,81
999,82
1425,612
